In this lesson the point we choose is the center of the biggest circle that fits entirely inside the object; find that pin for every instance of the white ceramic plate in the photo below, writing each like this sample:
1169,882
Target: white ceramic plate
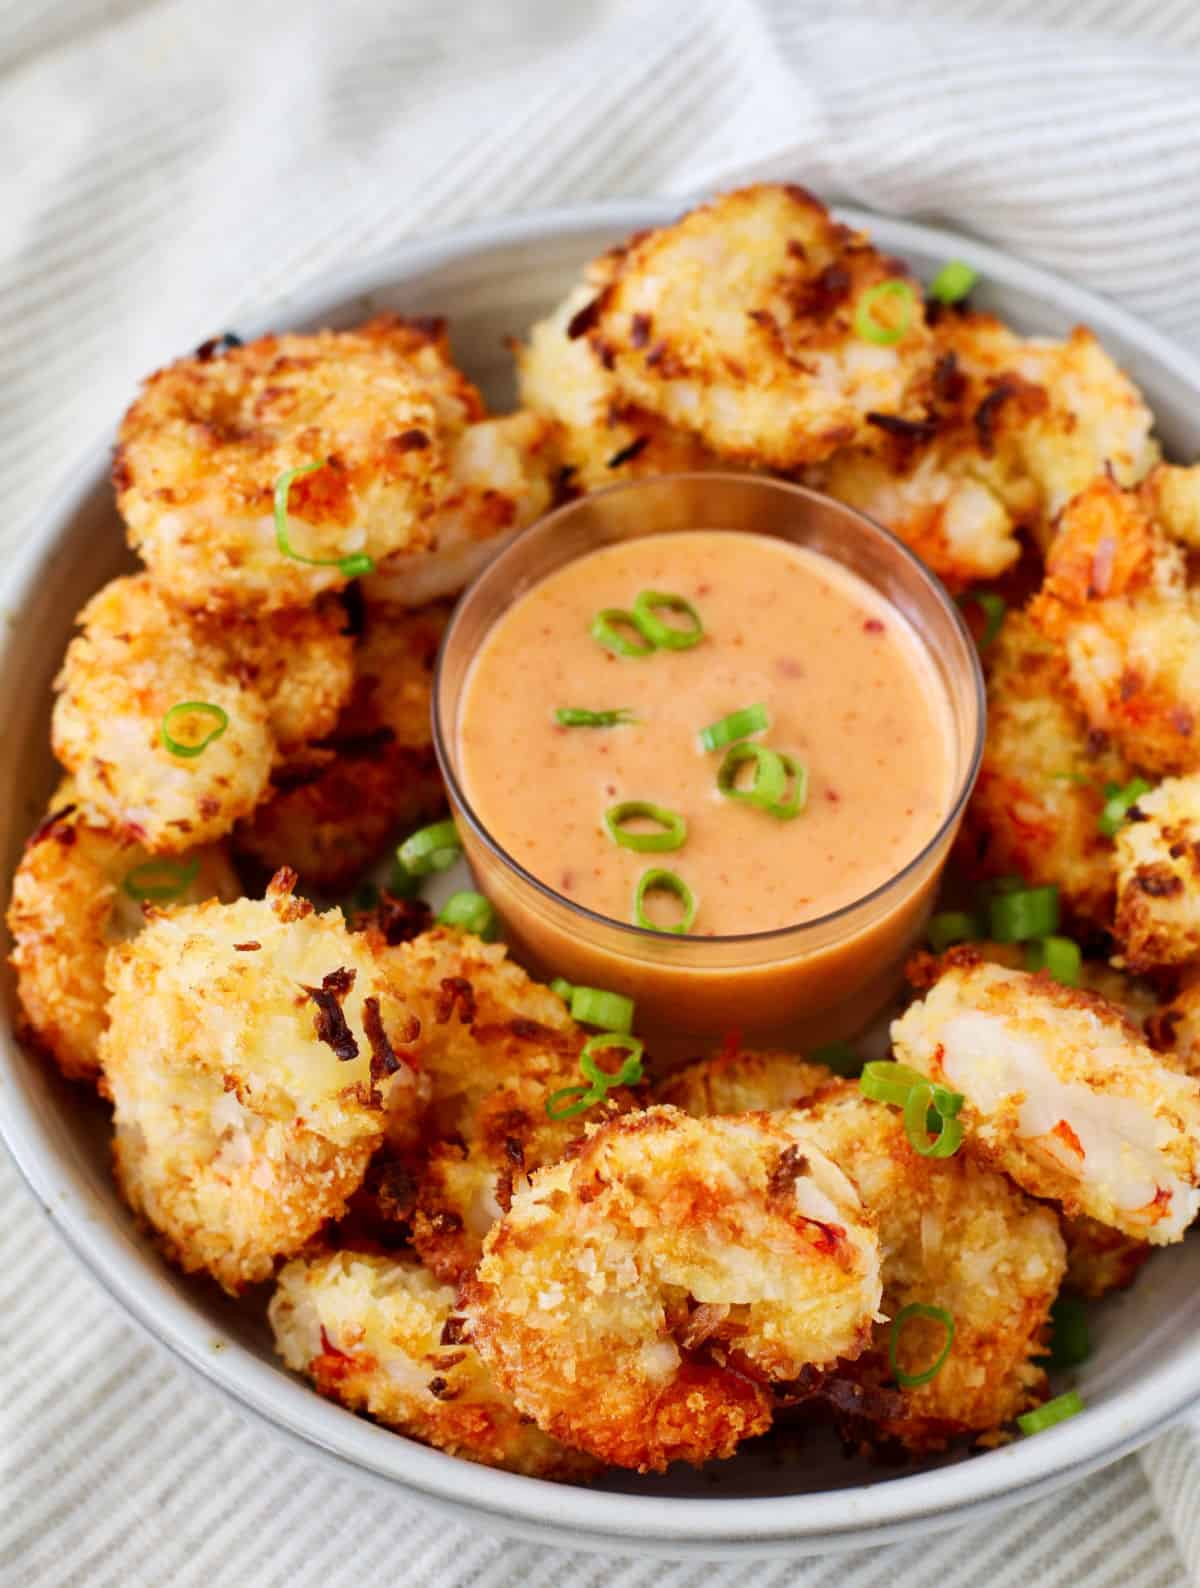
492,280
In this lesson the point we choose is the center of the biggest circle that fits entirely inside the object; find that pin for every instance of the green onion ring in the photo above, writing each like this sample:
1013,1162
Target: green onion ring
993,608
605,632
430,849
666,637
604,1080
873,330
737,725
472,913
656,880
563,988
584,1097
200,708
672,836
593,1006
351,567
886,1081
177,877
1059,957
953,282
1051,1412
918,1309
945,1104
785,809
578,717
952,926
1118,803
770,776
1024,913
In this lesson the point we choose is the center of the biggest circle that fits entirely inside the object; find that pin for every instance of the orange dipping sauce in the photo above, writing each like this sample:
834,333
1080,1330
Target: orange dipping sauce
850,692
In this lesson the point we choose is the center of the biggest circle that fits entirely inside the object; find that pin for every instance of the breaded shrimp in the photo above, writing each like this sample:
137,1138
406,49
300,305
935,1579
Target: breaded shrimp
77,891
202,447
251,1052
738,323
1062,1094
377,1334
637,1299
331,814
1138,1000
603,439
1036,807
1171,495
502,474
1173,1030
1116,600
741,1080
1100,1259
1158,877
496,1046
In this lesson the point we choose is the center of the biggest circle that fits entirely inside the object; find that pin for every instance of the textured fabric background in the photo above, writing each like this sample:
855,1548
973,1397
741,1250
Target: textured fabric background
167,165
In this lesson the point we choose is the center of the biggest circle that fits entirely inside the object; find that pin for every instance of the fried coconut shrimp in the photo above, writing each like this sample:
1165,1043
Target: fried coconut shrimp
638,1299
743,323
331,813
251,1053
741,1081
1036,807
496,1046
1013,428
173,777
603,439
1158,877
1116,600
78,889
377,1334
1062,1094
202,447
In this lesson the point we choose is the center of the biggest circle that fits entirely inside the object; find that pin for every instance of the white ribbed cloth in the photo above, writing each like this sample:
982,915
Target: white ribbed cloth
169,164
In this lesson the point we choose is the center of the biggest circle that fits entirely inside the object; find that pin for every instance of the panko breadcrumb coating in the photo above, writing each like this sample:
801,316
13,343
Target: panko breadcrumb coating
251,1051
495,1046
738,324
1158,877
1062,1094
1100,1259
1036,807
1173,1030
203,445
1117,605
742,1081
636,1299
331,814
376,1333
74,896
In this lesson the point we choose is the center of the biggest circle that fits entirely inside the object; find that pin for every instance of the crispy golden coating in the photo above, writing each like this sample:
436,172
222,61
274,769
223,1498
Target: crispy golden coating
1158,877
742,1081
1100,1259
1170,493
1037,804
1117,603
376,1333
738,324
603,439
251,1052
1173,1030
203,445
496,1045
635,1298
1136,998
1062,1094
77,892
333,813
502,474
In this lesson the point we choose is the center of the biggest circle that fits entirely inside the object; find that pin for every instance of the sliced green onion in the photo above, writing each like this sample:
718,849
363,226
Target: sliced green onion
1058,956
952,282
563,988
581,1098
1080,778
993,608
952,926
156,881
839,1057
402,883
870,327
473,913
630,1072
647,604
657,881
1024,913
768,783
1070,1339
352,566
606,630
1055,1411
944,1105
611,1011
430,849
1119,803
737,725
886,1081
673,828
193,708
918,1309
795,802
578,717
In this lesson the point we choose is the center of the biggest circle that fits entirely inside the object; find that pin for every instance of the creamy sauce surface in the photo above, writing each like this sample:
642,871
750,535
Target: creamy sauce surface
849,688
